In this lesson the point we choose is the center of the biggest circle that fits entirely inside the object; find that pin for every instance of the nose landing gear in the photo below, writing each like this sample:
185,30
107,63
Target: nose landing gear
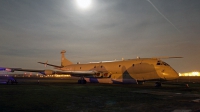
158,84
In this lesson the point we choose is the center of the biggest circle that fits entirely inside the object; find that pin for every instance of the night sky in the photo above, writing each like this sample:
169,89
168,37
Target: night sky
37,30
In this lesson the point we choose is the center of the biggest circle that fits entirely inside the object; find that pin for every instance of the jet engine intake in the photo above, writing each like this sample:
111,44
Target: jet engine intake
102,74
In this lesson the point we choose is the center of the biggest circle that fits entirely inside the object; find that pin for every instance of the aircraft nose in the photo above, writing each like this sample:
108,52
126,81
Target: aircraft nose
170,74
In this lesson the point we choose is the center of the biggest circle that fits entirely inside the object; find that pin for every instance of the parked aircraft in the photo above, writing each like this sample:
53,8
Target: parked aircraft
7,80
135,71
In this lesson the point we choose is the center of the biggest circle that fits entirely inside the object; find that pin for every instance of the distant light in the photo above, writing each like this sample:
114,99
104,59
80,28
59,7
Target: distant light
190,74
84,3
195,73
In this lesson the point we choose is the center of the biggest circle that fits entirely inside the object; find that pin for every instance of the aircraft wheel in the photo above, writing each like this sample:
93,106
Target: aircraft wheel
158,84
7,82
140,82
84,81
16,82
81,81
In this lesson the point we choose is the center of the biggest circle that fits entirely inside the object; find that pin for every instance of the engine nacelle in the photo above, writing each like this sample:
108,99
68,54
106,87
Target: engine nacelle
49,72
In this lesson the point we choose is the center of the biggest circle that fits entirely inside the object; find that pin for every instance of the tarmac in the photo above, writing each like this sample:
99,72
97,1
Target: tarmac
180,95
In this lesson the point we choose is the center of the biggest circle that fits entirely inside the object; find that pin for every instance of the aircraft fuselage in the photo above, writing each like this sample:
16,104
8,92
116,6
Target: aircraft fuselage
126,71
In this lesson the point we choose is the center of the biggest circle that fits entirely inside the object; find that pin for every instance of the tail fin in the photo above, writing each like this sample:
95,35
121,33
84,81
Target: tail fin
64,61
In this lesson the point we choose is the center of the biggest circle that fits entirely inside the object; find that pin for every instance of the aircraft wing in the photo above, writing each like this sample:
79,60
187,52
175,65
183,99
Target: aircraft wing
165,57
51,72
8,69
77,73
50,65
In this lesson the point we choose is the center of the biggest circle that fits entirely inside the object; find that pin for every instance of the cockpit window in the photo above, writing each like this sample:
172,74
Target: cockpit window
162,63
165,64
158,63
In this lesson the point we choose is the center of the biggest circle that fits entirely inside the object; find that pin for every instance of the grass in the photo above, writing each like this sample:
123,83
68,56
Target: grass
65,95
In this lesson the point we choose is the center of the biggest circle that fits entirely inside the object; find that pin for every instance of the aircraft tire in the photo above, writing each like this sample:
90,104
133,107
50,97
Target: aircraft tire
81,81
158,84
141,82
84,81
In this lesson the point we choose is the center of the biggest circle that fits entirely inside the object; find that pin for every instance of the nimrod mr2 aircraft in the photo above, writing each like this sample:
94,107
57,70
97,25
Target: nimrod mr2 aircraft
135,71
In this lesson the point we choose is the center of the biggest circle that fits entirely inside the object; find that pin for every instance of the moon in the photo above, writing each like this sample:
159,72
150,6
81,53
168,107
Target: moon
84,3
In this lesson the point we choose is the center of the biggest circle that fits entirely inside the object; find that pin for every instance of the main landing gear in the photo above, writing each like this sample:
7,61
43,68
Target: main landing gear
82,81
